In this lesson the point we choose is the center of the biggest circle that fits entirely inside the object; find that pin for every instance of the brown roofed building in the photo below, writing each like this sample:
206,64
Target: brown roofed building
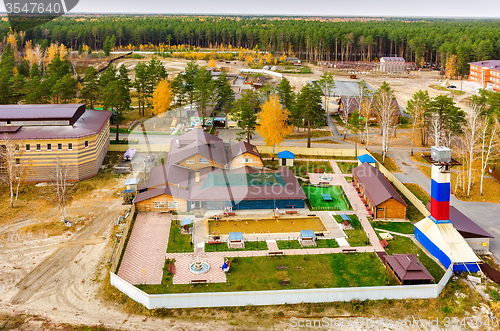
78,137
407,269
378,194
244,154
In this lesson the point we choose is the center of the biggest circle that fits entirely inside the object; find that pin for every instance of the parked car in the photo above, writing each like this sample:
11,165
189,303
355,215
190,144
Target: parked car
451,86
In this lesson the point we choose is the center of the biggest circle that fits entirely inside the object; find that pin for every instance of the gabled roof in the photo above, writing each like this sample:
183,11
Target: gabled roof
197,141
365,158
408,267
241,148
375,185
169,173
168,190
286,155
464,225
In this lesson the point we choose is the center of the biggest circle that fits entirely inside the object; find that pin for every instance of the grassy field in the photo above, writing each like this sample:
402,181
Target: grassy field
289,272
491,187
418,192
314,134
356,237
442,88
390,164
178,243
301,168
249,246
400,227
295,244
346,167
314,195
403,245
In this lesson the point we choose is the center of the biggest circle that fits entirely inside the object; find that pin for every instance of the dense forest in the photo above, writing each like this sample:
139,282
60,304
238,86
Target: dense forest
426,42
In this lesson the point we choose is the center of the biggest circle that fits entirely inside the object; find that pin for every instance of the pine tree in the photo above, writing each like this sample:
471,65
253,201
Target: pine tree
308,108
244,112
90,91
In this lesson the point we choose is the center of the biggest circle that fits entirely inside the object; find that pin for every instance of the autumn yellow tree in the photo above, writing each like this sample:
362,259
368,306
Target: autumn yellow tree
211,63
272,122
162,97
451,66
269,58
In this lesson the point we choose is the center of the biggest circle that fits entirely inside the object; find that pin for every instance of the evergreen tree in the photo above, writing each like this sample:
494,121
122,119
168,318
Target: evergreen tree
90,88
245,113
308,107
286,94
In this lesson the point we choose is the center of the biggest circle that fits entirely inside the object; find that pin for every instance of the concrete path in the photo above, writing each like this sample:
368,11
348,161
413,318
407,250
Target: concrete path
359,209
144,257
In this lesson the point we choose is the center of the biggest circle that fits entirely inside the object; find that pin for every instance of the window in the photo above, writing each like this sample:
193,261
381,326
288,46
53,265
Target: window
38,147
159,204
70,146
49,147
381,209
86,143
204,161
246,160
18,161
59,147
190,161
8,122
172,204
28,147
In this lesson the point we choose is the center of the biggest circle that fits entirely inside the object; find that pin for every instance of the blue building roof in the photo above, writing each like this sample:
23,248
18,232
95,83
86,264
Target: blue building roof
345,217
307,234
286,155
235,236
365,158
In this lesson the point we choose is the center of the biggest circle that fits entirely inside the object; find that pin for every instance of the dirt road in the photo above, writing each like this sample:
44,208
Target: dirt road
63,256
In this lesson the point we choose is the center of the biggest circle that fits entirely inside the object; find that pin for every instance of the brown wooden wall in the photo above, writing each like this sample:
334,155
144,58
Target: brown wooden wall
197,165
148,205
238,161
393,209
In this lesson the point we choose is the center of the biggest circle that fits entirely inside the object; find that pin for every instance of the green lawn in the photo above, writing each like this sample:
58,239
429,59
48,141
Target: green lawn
389,163
249,246
289,272
314,195
356,237
346,167
400,227
294,244
178,243
412,213
301,168
404,245
419,192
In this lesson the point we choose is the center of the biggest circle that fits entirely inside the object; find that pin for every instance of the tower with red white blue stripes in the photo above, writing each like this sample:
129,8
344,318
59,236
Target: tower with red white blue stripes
440,184
436,232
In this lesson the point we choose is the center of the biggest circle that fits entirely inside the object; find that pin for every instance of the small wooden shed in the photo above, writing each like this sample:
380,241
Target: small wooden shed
286,158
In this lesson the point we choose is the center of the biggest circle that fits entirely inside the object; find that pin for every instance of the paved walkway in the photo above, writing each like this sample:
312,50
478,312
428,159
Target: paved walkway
359,209
144,256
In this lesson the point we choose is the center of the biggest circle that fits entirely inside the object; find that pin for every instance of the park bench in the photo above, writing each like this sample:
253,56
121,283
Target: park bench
384,243
198,281
291,212
349,250
319,171
171,268
215,242
275,253
229,214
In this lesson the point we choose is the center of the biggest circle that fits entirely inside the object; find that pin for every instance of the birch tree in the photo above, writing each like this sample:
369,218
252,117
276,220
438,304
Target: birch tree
417,107
272,122
471,129
387,114
62,186
327,82
13,167
489,141
365,104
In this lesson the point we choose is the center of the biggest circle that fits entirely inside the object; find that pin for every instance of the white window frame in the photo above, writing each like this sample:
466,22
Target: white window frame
27,147
49,147
191,161
204,160
70,146
173,204
38,147
87,144
159,204
59,145
246,160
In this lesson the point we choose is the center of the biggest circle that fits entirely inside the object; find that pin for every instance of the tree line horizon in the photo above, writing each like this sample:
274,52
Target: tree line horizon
426,42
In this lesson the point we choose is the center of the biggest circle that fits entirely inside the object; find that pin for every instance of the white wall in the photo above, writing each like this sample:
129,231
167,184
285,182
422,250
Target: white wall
259,298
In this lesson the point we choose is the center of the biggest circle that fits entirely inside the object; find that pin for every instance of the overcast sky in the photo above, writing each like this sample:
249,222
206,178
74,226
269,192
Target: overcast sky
419,8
